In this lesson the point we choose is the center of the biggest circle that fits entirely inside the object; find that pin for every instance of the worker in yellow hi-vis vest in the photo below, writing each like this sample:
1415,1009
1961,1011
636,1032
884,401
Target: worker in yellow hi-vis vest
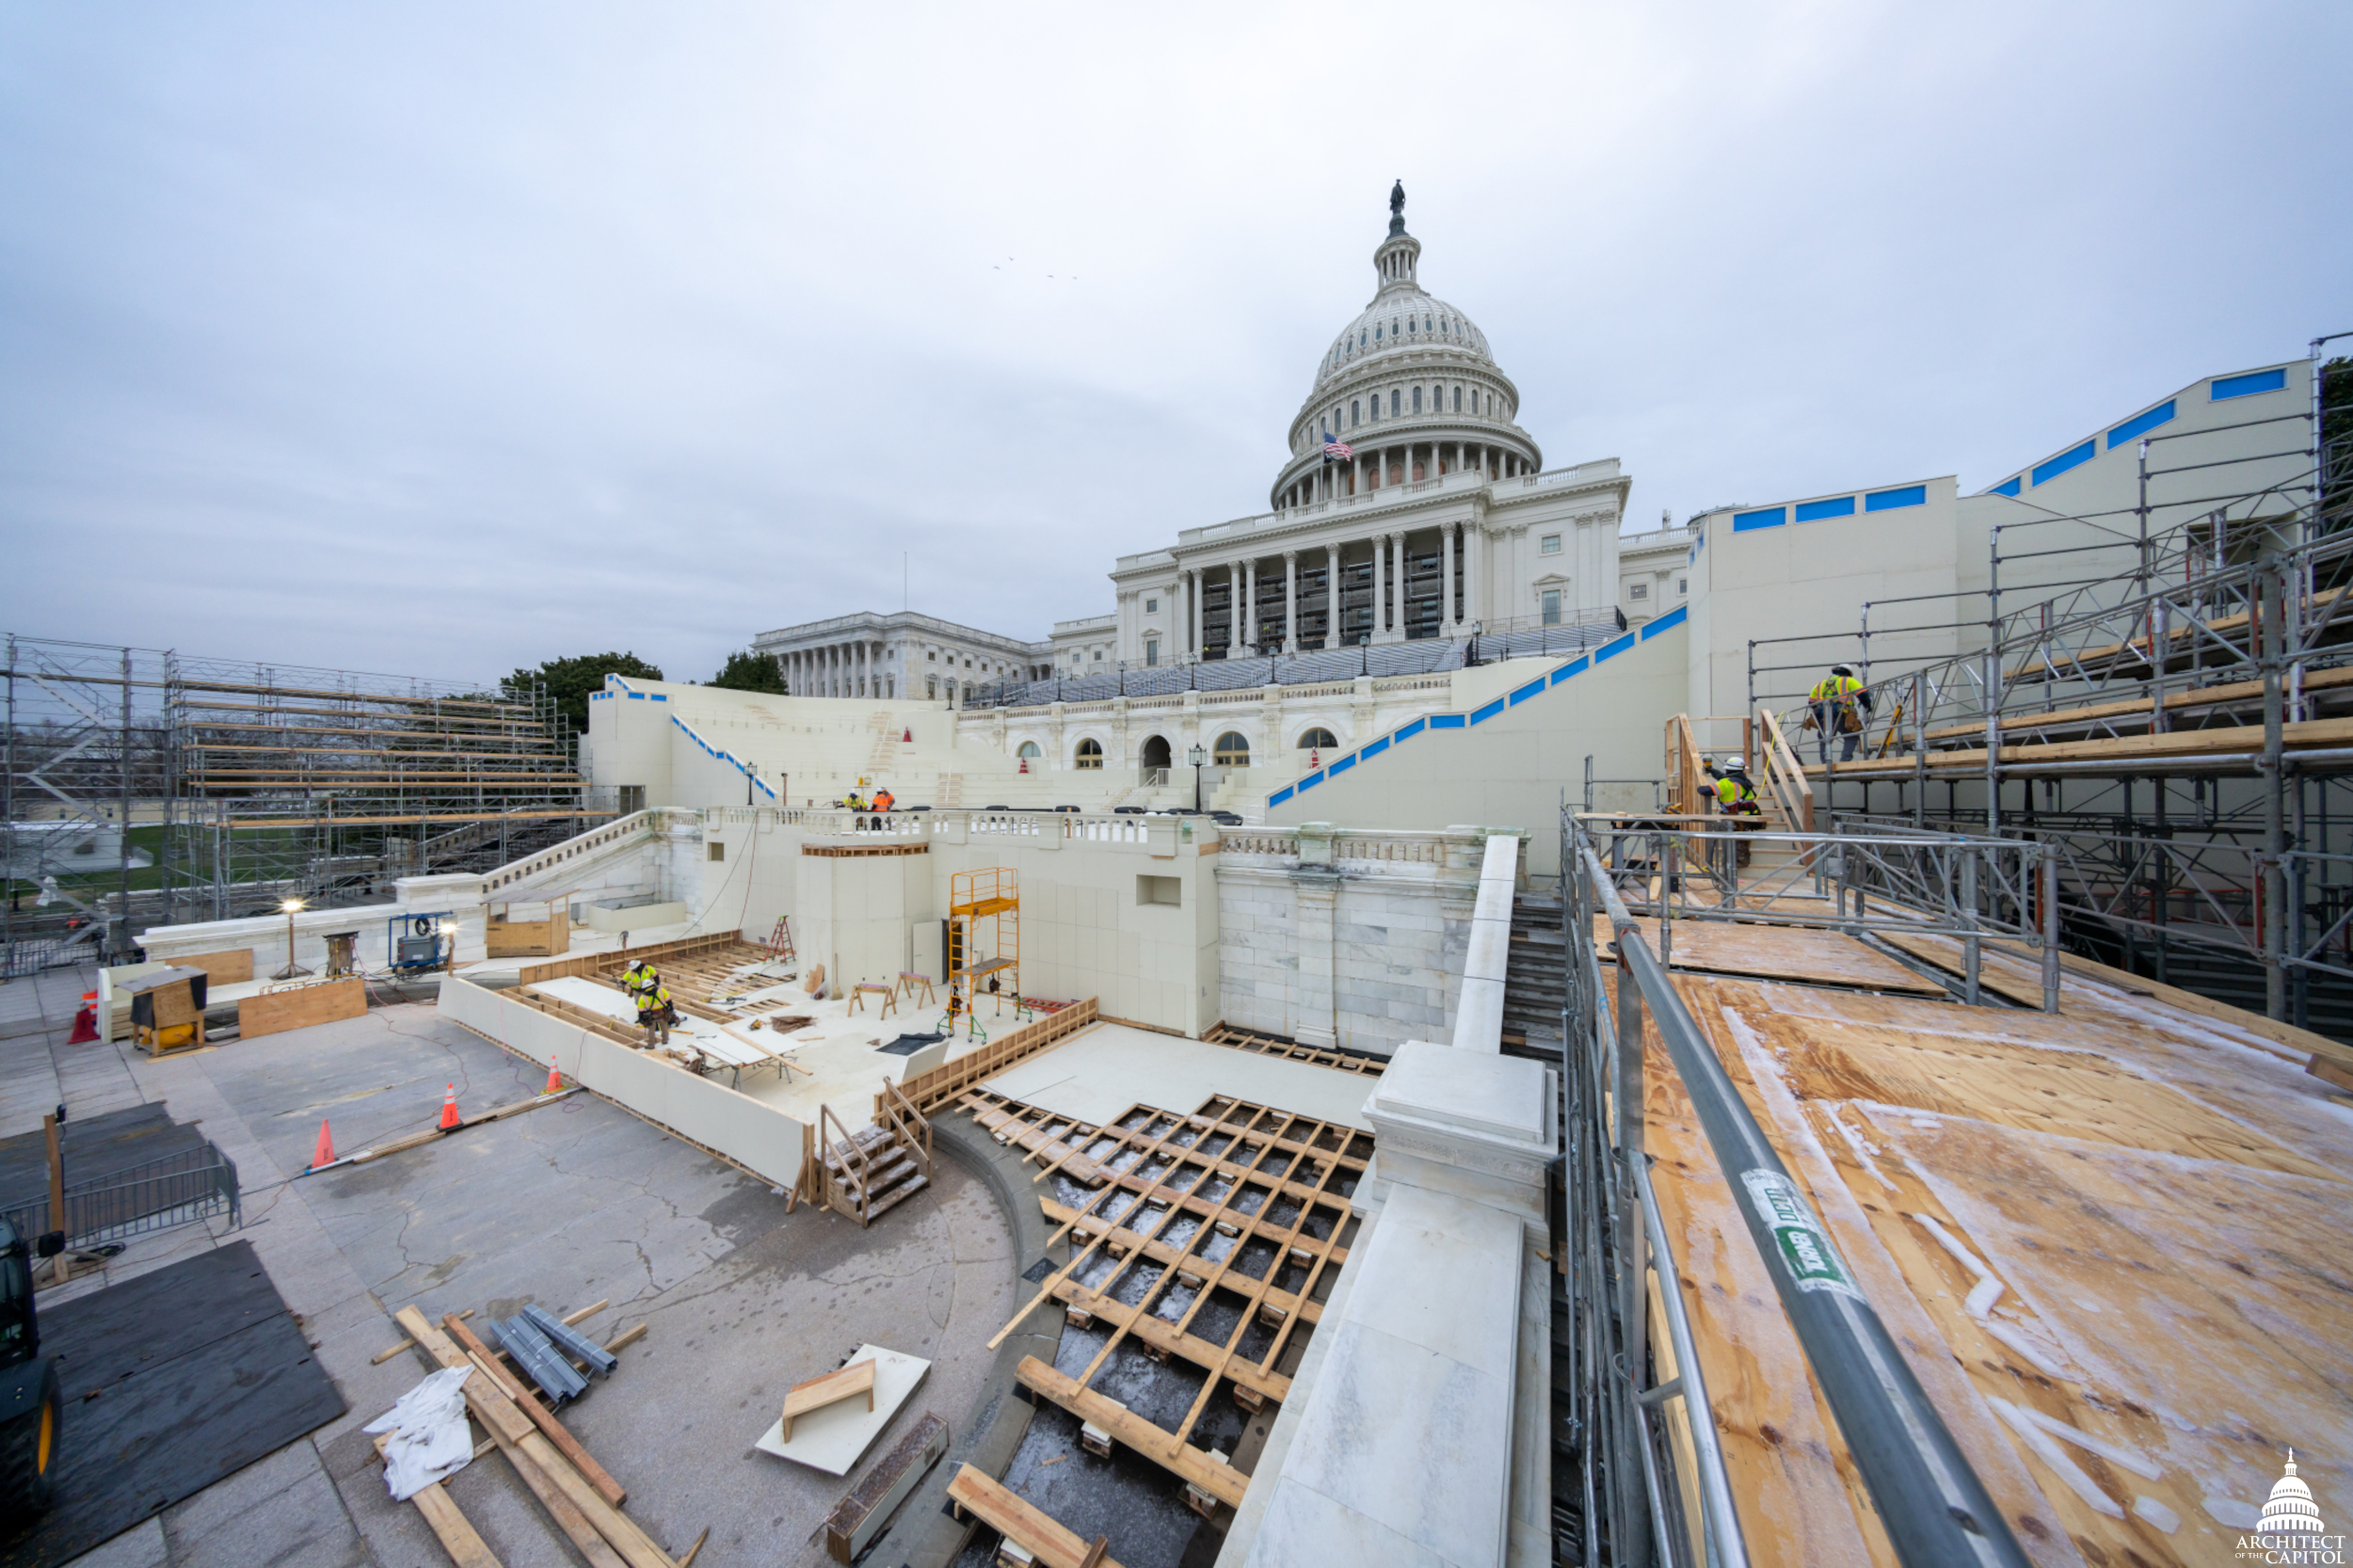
1841,706
1735,797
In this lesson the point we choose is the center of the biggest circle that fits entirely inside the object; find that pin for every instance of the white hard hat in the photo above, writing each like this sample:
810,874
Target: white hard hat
1737,764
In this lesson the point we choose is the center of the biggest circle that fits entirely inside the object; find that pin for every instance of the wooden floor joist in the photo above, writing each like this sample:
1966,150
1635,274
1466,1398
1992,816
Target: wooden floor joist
1243,1039
1024,1525
1293,1171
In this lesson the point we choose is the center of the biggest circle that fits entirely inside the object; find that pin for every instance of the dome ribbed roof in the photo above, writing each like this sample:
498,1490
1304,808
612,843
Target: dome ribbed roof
1399,320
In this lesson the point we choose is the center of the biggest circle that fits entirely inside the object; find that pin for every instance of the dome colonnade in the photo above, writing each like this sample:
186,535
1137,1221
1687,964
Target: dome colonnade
1410,532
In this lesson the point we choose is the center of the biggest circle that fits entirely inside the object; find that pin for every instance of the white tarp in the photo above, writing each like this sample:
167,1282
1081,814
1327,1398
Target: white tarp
429,1439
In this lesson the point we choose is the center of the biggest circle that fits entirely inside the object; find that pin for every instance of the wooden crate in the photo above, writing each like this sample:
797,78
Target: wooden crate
274,1012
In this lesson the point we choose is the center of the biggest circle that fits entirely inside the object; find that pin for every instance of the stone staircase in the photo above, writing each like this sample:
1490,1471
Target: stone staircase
1535,980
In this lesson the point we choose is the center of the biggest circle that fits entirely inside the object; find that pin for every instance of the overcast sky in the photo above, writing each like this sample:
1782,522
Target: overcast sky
441,339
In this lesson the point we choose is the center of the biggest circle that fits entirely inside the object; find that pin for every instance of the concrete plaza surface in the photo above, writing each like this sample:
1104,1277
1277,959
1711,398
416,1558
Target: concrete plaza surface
563,1206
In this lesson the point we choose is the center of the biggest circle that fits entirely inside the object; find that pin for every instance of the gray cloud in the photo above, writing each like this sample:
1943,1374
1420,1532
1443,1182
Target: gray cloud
440,339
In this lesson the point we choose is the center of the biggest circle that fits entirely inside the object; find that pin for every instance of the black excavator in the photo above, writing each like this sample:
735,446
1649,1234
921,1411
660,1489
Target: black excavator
31,1411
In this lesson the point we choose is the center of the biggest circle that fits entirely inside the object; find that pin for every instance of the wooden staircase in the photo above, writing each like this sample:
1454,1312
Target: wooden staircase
866,1174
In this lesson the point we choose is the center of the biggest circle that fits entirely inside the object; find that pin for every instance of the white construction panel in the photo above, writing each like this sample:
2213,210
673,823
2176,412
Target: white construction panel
835,1438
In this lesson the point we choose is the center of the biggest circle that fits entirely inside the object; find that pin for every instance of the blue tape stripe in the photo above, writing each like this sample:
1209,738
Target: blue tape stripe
2008,487
1576,666
1342,766
2162,413
2226,387
1483,714
1534,688
1376,748
1445,721
1413,730
1309,782
1888,501
1771,517
2064,461
1667,622
1837,507
1611,651
1281,795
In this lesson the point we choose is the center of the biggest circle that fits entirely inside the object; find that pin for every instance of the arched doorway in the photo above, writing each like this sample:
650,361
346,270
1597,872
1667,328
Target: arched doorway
1156,759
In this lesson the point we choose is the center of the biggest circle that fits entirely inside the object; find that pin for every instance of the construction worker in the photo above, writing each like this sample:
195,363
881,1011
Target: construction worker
1842,705
641,979
656,1013
885,800
1735,797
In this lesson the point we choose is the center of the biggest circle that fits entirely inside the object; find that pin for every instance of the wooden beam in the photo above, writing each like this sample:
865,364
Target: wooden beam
1222,1481
612,1537
541,1416
1025,1525
843,1382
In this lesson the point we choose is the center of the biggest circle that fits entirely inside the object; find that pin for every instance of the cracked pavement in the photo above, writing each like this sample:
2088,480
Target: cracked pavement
563,1206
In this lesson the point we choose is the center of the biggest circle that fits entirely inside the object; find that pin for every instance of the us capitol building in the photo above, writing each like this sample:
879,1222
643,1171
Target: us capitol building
1440,520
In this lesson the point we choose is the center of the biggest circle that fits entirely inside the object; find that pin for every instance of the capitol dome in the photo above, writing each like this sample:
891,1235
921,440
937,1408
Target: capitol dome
2291,1511
1412,378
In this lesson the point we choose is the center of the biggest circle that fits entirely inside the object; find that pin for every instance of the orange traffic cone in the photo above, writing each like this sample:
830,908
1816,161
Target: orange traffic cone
556,1080
449,1109
86,1021
326,1155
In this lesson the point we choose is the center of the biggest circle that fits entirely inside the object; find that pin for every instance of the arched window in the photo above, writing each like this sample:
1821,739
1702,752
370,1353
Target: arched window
1232,751
1376,331
1418,400
1355,412
1321,739
1090,754
1409,323
1029,750
1458,400
1397,403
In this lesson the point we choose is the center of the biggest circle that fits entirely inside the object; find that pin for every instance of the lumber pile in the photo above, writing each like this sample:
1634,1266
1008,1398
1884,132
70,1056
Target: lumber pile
573,1488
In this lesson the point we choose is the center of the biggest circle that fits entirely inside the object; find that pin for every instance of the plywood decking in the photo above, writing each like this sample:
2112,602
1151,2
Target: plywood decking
1777,952
2106,1240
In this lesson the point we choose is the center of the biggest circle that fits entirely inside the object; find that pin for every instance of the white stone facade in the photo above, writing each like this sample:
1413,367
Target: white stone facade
901,656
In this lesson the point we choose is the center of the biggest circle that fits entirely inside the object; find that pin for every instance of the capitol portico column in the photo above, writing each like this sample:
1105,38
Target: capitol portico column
1379,564
1233,609
1331,595
1397,586
1290,601
1446,580
1251,640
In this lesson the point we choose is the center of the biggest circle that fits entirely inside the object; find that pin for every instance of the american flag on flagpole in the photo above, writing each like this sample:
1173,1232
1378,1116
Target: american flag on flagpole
1334,447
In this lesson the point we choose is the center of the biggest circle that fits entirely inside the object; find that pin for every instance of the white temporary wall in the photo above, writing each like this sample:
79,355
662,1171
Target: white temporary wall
754,1135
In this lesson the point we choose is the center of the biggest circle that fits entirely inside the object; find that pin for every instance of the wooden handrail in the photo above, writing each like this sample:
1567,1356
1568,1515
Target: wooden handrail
1784,775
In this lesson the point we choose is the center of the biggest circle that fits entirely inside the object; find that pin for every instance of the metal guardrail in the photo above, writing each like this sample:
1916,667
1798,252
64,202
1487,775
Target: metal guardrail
1932,1505
177,1190
1900,881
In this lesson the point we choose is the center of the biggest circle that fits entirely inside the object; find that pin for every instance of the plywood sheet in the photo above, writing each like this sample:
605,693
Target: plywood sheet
1786,952
275,1012
2175,1292
1101,1071
835,1438
232,968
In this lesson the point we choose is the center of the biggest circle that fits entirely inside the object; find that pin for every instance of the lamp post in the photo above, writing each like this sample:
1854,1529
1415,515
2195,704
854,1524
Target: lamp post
1196,757
291,907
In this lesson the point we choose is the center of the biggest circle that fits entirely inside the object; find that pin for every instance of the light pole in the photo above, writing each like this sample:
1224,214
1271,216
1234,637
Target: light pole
1196,757
291,907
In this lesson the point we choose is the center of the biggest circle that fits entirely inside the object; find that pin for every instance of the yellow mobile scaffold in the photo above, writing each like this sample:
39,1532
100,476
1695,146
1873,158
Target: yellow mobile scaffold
991,895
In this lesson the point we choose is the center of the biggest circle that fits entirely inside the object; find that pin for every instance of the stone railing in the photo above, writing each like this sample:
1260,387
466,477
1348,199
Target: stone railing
635,825
1422,849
